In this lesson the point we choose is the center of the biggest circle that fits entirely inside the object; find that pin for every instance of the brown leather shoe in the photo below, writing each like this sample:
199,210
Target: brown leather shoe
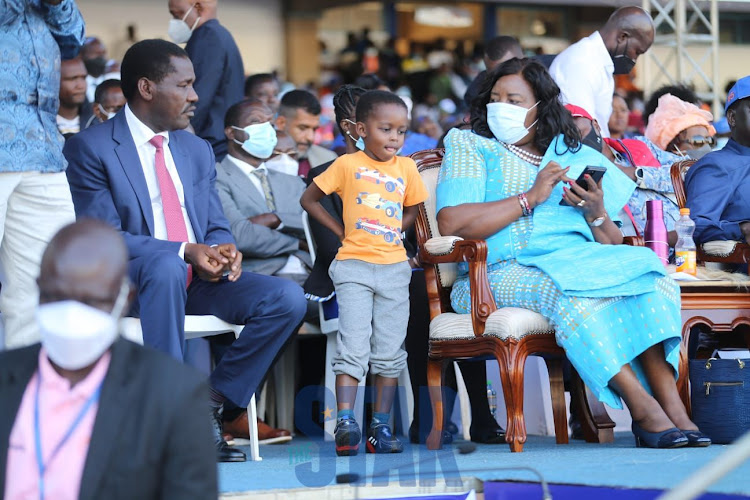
238,428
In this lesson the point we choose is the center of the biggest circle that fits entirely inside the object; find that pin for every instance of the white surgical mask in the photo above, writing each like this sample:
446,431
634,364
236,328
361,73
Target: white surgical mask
283,163
179,31
261,139
74,334
507,121
106,113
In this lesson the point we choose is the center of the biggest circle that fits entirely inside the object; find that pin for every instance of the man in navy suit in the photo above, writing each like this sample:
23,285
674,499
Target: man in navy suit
219,72
144,175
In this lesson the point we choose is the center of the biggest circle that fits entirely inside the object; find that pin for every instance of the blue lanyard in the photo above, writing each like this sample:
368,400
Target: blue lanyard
37,434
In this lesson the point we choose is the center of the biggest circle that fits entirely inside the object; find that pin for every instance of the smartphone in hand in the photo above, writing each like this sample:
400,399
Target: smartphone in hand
596,174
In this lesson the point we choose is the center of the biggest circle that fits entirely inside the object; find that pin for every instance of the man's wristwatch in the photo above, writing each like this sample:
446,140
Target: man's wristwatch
598,221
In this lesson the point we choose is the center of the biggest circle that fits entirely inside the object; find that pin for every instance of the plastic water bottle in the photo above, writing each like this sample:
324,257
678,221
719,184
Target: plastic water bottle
656,231
685,248
491,398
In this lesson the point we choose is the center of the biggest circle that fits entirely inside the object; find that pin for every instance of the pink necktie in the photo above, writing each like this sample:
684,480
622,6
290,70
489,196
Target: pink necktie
170,202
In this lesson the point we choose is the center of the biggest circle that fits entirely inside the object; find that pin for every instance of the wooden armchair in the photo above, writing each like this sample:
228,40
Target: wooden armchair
730,252
508,334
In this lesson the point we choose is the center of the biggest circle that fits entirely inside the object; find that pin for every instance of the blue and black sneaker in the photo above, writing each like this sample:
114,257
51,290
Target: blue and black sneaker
380,440
348,436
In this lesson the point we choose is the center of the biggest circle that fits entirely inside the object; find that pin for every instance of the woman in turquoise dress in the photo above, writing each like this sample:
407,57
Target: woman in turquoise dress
614,311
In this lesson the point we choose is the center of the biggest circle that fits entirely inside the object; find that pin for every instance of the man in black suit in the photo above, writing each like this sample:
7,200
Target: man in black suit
219,72
140,430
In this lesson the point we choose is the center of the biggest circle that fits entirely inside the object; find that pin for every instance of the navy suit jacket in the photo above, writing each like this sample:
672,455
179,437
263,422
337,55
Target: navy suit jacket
718,193
107,183
219,81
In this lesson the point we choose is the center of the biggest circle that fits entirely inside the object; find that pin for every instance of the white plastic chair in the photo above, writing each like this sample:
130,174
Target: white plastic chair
199,327
329,327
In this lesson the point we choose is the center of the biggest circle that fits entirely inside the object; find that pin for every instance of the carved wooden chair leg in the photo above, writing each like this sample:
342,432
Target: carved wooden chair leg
595,422
434,384
511,363
557,391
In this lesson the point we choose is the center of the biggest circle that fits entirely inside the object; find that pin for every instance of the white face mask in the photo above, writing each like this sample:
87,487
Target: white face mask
179,31
261,139
106,113
507,122
283,163
75,335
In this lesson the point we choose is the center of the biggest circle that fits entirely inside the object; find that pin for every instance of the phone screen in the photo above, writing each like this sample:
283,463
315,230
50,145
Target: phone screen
596,174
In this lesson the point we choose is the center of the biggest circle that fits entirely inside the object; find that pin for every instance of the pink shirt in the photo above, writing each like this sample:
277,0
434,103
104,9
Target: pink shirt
58,407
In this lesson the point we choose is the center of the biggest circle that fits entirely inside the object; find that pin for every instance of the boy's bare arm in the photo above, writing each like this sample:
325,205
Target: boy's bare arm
310,201
410,215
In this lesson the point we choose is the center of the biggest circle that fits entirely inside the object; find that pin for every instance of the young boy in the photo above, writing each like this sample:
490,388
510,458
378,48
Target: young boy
380,193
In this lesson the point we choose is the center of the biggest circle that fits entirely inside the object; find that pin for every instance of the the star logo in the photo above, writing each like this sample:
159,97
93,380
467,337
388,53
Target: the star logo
327,413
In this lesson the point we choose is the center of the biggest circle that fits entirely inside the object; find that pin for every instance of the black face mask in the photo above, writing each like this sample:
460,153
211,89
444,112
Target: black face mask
593,140
95,67
623,64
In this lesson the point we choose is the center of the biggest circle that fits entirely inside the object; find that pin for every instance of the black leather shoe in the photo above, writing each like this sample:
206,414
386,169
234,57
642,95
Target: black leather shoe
492,434
224,452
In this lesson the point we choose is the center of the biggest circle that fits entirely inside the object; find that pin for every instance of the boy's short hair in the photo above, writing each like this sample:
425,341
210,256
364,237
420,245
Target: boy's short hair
105,87
374,98
299,99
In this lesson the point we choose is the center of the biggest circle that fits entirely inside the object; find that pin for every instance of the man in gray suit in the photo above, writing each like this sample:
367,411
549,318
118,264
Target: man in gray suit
262,205
299,116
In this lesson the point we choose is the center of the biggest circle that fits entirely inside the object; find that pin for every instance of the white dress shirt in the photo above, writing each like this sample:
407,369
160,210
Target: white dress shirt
142,134
293,264
583,72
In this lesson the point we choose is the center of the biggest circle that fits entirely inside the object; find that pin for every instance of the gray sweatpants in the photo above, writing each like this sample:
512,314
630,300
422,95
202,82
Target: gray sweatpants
373,304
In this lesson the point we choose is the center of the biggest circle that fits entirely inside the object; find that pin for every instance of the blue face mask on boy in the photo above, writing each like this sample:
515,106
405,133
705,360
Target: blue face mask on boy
261,139
359,143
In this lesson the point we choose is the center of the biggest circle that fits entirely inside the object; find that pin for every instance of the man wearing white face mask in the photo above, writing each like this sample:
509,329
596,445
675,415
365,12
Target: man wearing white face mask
79,410
219,72
108,100
261,204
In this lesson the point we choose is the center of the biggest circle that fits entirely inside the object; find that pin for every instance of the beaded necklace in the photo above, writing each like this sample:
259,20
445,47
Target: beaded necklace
523,154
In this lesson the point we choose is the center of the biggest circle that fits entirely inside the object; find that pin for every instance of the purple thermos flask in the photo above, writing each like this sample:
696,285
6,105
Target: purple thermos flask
656,231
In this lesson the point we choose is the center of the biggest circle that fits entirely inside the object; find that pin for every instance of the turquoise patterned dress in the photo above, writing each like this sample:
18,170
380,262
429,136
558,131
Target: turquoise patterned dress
607,303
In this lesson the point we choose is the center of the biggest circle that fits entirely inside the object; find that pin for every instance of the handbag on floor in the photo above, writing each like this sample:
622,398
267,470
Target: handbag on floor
720,397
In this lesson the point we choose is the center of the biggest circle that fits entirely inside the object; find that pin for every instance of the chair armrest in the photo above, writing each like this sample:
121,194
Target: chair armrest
735,252
474,253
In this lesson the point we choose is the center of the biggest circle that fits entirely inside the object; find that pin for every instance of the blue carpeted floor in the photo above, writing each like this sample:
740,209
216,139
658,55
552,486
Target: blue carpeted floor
306,463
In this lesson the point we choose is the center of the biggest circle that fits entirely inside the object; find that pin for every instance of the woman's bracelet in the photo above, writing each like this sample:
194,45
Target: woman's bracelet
524,202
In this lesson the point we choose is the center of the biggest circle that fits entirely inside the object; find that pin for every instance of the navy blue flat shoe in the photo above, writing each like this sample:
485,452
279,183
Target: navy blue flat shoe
697,439
671,438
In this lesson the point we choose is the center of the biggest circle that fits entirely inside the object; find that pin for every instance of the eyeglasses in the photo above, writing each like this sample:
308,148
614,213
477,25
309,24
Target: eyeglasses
293,153
700,140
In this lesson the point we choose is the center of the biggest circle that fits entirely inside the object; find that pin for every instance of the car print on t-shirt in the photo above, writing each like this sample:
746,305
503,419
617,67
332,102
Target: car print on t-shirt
374,200
376,177
374,226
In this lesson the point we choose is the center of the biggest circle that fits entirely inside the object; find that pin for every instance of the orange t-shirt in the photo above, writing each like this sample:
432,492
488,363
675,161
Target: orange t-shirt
374,194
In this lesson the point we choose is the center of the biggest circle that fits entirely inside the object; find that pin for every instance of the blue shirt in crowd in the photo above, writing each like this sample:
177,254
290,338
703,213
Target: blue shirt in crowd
33,36
718,193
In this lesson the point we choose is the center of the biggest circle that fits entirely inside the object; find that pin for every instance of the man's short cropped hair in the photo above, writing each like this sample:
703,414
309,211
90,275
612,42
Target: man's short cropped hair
299,99
233,114
374,98
257,80
150,59
501,45
105,87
